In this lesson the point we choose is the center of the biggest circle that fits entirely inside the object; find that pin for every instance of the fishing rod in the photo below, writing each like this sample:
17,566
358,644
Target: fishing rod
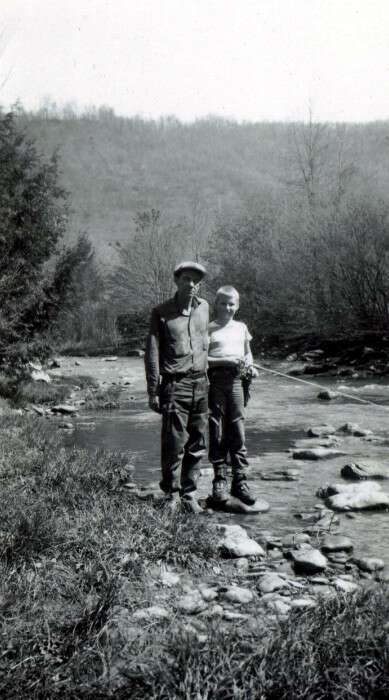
317,386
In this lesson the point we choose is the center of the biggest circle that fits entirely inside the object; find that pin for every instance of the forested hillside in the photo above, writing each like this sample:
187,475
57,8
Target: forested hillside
194,173
296,216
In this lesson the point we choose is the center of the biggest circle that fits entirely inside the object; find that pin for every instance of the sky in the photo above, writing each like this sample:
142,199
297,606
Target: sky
250,60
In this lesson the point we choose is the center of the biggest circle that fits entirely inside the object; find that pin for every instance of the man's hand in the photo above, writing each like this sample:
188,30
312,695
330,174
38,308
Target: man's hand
154,404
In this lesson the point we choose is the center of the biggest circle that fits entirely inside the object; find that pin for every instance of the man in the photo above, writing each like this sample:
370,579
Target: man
176,362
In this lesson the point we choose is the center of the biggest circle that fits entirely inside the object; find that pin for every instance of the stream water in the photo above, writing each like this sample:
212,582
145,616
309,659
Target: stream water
279,412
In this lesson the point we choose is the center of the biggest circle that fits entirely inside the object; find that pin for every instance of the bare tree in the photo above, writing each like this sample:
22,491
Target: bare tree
144,276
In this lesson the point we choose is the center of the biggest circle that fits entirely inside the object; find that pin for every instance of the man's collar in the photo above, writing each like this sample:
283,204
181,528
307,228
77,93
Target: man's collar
186,312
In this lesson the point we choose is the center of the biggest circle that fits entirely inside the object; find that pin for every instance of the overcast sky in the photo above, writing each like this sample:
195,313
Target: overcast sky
246,59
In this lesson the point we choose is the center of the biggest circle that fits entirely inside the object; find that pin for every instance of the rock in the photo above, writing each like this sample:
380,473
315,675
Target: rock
38,409
54,364
241,564
136,353
327,395
214,611
313,443
313,354
279,606
271,582
296,539
191,603
336,543
169,578
232,615
308,560
382,576
317,453
366,495
317,369
235,542
292,357
302,603
38,375
37,366
238,595
234,505
208,593
338,558
112,358
354,429
365,470
369,564
345,586
321,431
281,475
155,612
64,408
319,580
77,363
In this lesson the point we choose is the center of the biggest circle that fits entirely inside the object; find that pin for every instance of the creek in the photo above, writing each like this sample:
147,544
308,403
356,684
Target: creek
279,412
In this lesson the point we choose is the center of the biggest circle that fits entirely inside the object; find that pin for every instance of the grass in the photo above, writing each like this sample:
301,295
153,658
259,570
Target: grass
26,392
78,556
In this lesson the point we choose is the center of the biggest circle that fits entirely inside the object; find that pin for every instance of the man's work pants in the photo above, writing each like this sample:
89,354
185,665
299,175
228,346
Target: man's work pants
184,404
226,424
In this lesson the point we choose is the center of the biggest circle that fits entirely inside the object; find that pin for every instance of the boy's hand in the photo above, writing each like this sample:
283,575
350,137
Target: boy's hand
154,404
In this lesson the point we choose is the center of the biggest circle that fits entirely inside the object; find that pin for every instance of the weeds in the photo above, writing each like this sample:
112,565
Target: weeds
78,556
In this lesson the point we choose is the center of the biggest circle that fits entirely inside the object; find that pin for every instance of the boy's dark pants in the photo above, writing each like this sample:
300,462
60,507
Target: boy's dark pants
226,423
184,404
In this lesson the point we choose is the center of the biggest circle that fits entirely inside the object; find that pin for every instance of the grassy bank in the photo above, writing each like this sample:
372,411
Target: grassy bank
79,556
23,392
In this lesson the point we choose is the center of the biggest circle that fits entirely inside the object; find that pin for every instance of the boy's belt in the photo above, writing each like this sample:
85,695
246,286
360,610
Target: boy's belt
231,371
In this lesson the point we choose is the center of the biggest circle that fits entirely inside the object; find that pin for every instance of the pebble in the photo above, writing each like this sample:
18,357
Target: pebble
345,586
336,543
191,603
155,611
369,564
238,595
271,582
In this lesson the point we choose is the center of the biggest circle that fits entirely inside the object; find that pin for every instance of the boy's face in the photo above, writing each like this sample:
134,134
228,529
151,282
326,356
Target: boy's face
226,306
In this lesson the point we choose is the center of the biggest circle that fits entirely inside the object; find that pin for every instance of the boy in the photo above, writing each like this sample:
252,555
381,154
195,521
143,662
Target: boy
229,357
176,372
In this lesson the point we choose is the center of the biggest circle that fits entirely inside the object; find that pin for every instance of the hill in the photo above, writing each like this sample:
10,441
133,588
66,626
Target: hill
114,167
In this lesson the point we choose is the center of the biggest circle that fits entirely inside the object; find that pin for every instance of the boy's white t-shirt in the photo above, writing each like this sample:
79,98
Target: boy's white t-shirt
228,340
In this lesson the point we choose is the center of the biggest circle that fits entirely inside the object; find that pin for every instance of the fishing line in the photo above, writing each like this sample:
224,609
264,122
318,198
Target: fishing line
319,386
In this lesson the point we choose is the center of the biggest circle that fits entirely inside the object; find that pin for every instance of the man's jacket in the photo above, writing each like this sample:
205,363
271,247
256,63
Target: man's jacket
177,343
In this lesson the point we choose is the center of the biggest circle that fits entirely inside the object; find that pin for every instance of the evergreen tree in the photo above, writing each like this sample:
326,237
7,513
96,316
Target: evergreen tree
33,218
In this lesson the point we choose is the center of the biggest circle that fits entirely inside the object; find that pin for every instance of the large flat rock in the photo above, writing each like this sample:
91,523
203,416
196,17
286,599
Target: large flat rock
365,470
234,505
366,495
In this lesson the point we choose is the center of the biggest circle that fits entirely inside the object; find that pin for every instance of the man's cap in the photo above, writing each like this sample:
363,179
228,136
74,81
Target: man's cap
189,265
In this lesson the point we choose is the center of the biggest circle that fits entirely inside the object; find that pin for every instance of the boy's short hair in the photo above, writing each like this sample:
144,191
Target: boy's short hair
227,291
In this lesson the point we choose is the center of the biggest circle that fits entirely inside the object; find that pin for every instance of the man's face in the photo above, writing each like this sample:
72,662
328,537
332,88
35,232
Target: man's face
188,284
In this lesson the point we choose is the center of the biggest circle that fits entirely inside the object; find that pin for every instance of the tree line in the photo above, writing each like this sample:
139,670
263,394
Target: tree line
308,250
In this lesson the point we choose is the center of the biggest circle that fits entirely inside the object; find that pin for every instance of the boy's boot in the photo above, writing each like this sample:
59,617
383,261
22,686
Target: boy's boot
240,489
219,484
